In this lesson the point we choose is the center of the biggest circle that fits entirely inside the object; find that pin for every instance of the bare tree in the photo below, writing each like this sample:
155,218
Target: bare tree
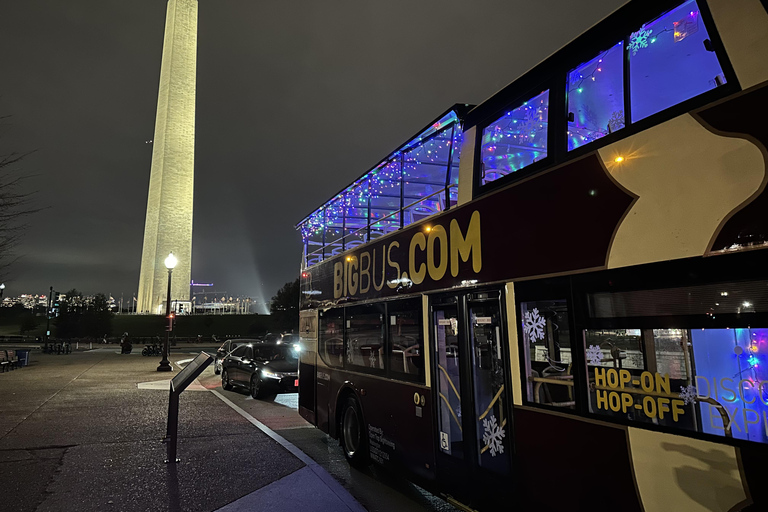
15,207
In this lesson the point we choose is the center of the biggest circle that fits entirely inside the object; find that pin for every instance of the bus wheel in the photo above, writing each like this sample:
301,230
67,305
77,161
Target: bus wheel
353,439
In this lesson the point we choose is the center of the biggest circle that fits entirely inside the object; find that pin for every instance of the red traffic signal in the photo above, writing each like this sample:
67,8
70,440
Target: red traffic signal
171,318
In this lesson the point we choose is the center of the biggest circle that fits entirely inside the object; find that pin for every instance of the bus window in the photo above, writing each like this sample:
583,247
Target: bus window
406,350
596,97
516,140
331,344
620,348
700,376
671,60
671,354
364,335
547,340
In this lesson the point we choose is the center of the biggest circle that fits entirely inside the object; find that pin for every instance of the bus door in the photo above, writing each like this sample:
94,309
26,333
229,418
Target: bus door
470,382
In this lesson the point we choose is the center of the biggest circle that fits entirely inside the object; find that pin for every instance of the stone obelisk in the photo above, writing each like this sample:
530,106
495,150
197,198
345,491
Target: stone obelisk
168,227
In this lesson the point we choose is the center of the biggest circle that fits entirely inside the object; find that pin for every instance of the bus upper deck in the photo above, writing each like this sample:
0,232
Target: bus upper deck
602,89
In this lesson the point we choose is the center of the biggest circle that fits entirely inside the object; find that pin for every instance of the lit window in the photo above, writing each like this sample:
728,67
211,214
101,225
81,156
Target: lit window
516,140
671,60
596,98
695,373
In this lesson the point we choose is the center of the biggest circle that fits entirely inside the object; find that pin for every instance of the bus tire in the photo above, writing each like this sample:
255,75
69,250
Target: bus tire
354,442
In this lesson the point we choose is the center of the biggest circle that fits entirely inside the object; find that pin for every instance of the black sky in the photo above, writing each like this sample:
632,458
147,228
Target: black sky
294,101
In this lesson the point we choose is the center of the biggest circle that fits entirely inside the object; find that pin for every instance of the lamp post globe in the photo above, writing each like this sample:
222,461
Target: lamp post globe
2,288
170,261
165,366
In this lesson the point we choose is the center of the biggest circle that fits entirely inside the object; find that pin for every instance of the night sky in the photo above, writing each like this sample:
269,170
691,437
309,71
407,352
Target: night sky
294,101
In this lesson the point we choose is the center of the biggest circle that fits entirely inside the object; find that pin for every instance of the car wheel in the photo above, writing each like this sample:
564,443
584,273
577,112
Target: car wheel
225,383
256,391
145,352
217,367
354,441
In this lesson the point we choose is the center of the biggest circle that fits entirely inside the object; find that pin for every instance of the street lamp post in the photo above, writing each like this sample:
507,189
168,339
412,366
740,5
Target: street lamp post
165,366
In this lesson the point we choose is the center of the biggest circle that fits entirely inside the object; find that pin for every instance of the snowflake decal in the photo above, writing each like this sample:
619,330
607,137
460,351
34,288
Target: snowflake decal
529,124
639,40
350,354
616,122
533,325
493,435
594,355
689,394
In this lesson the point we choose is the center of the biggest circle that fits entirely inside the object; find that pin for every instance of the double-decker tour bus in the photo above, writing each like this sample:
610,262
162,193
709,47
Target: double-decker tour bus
559,298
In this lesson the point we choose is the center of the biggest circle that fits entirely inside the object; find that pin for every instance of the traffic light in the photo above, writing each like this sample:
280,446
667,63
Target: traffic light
171,321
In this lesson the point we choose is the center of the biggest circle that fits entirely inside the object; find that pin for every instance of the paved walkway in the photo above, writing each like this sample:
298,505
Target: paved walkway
78,432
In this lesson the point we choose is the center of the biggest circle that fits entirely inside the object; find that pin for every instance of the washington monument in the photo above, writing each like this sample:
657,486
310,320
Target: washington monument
168,227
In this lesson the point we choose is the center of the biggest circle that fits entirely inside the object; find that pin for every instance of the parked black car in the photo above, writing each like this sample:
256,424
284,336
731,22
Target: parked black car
285,338
227,347
265,369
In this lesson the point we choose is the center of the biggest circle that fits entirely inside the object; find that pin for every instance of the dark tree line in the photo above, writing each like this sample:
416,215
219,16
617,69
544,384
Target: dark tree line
284,306
81,318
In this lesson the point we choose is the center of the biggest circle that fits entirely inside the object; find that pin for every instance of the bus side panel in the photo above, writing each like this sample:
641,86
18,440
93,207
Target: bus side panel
308,365
682,473
570,464
743,27
755,474
744,116
323,392
400,434
307,378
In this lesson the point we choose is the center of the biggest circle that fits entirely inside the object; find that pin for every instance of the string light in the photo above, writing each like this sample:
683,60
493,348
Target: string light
374,199
517,139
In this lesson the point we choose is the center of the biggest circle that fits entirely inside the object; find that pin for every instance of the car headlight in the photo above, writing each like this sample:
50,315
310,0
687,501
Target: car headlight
269,374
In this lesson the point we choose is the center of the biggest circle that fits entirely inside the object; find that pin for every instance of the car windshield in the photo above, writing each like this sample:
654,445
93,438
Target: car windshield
278,353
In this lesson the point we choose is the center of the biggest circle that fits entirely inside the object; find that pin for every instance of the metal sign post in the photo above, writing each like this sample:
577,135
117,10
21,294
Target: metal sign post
178,384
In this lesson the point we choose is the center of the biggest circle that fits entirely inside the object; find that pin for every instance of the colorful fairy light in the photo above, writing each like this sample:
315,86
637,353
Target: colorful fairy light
373,201
517,139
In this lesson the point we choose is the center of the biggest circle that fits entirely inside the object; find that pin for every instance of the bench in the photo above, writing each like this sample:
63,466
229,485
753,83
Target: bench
9,360
13,359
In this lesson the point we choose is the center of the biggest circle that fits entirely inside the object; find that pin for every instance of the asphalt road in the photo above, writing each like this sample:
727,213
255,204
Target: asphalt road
377,490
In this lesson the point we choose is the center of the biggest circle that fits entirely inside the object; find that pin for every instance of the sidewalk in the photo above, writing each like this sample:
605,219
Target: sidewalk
77,433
